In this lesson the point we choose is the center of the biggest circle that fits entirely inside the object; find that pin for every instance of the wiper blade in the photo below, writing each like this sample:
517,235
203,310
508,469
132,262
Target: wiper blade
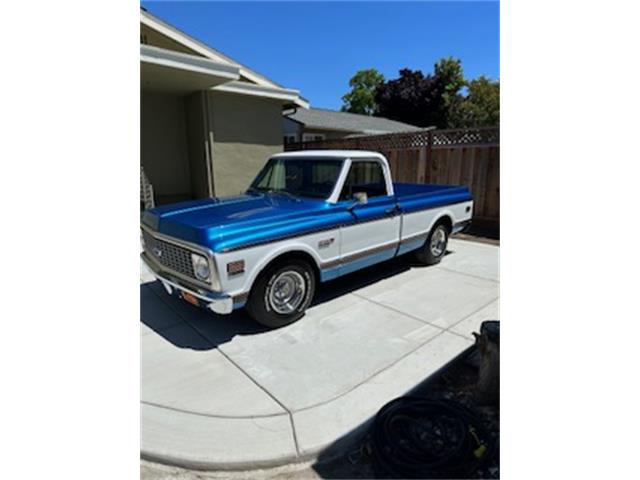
285,193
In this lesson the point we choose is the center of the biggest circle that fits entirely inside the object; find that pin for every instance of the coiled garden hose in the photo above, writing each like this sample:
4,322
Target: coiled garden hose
414,437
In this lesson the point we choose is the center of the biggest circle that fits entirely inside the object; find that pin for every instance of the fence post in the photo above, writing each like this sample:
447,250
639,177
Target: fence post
422,165
429,155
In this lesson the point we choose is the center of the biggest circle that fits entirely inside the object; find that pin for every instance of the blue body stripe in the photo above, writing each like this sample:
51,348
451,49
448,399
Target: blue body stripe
343,269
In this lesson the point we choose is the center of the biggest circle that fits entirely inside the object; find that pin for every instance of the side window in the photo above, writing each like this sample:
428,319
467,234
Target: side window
312,137
290,138
365,177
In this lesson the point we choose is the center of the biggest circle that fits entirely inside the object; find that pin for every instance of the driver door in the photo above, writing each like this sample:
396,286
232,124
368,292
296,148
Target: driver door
373,236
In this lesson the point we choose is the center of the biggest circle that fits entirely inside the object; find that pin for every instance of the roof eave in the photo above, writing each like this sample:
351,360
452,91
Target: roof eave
184,39
287,96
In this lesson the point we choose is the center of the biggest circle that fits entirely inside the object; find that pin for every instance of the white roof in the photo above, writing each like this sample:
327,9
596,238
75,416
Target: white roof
329,154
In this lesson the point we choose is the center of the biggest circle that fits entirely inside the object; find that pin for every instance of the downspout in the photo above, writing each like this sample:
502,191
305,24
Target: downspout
293,112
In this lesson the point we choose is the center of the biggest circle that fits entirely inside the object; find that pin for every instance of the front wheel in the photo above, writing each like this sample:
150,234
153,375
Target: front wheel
281,294
435,247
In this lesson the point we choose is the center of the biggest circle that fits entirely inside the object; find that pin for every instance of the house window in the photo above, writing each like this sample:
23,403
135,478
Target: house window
290,138
312,137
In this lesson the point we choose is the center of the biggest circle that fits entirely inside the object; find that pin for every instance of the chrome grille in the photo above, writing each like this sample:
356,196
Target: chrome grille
169,255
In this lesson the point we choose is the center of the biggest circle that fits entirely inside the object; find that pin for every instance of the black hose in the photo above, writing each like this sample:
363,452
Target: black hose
414,437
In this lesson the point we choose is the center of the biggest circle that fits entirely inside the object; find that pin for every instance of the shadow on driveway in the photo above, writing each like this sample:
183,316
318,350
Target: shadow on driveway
350,457
164,314
168,316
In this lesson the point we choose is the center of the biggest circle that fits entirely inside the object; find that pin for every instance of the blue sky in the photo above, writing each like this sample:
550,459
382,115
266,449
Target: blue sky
316,47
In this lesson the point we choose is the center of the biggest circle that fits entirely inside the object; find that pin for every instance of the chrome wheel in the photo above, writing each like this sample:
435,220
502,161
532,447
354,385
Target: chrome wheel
287,292
438,242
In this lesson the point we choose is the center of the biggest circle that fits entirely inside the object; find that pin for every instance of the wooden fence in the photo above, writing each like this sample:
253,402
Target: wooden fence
468,157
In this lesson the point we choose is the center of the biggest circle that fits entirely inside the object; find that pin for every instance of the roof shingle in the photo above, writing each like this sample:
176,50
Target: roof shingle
321,118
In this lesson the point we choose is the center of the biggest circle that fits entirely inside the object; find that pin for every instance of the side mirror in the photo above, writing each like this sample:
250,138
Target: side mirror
359,198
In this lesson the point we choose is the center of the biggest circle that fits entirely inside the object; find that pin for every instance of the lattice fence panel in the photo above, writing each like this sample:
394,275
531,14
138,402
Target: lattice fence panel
421,138
467,136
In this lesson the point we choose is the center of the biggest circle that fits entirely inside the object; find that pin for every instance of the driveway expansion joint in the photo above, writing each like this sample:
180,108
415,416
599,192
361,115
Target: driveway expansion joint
478,277
212,415
400,312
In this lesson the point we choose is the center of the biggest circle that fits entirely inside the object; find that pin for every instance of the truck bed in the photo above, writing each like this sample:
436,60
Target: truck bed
410,189
416,196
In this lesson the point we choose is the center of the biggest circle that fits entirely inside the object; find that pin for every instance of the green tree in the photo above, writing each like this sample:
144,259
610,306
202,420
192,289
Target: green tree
422,100
449,73
361,98
412,98
425,100
479,108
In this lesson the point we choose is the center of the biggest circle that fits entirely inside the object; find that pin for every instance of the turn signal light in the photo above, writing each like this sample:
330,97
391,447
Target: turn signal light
235,268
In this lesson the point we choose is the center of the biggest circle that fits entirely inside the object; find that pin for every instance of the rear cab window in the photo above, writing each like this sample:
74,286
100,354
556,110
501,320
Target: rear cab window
364,176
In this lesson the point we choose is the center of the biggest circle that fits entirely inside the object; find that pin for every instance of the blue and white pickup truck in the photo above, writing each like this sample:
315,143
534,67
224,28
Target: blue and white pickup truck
308,217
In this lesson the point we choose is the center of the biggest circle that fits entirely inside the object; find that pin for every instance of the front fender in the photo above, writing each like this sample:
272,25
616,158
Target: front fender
258,258
279,252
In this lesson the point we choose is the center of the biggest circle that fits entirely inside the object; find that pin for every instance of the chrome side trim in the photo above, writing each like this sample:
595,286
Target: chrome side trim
358,255
415,236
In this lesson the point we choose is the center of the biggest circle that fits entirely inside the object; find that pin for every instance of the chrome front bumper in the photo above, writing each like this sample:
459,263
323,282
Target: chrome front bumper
216,302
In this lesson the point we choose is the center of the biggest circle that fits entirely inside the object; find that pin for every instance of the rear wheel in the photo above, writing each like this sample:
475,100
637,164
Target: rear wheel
281,294
435,246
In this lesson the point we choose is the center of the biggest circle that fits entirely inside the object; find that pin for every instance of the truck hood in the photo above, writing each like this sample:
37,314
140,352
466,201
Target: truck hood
223,223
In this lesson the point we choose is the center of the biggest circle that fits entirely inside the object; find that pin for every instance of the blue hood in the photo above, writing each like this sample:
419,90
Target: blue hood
223,223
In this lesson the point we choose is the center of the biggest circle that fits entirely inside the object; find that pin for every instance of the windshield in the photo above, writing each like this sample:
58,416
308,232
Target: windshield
300,177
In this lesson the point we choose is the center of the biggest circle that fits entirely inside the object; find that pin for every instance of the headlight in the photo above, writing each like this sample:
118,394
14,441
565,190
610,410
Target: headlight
200,267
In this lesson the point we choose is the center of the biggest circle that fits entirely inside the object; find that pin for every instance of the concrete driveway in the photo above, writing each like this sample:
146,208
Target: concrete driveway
220,392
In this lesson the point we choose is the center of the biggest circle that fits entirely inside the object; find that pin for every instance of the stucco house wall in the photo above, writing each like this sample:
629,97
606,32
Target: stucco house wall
247,131
163,142
197,140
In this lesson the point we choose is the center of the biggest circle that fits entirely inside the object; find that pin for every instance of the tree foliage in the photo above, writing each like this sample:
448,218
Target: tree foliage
479,108
361,98
450,76
422,100
437,99
412,98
